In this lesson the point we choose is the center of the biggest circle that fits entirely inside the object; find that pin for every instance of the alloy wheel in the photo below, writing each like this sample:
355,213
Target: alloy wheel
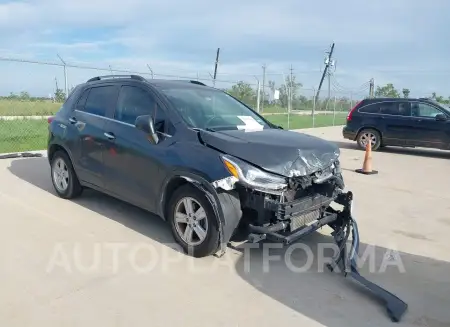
368,136
191,222
60,175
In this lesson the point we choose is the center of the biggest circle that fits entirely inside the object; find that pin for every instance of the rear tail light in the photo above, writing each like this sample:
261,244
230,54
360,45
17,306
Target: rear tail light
50,119
349,116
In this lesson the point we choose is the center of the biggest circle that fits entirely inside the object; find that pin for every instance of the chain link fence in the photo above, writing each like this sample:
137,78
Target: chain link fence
278,97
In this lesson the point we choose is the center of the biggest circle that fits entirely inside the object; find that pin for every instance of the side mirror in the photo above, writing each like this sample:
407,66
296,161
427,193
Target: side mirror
440,117
145,123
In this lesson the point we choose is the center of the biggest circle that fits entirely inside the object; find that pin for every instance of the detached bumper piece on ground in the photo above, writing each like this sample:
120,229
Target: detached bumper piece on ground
343,225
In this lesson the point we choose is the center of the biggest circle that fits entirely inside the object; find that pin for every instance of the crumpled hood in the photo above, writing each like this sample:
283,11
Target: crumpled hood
279,151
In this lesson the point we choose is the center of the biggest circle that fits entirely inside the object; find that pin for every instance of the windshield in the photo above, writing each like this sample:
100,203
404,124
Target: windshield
212,109
444,106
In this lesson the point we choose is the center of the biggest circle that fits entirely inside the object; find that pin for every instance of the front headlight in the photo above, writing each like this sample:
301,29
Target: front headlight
252,176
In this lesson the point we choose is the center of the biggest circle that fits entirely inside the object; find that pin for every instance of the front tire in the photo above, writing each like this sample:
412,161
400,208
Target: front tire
64,179
367,135
193,221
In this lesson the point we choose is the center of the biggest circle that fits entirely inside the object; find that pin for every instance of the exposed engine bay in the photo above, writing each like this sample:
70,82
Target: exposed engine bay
305,199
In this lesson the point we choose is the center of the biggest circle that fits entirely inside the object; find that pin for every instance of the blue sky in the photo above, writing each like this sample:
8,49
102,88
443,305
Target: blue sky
398,41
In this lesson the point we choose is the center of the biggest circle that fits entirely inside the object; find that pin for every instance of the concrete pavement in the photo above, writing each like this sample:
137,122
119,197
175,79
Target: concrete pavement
96,261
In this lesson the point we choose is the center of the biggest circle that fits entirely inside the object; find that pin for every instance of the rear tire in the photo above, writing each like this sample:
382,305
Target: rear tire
369,134
193,221
64,178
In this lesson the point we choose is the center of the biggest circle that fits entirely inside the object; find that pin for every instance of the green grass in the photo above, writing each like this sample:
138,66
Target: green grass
23,135
27,108
306,121
31,134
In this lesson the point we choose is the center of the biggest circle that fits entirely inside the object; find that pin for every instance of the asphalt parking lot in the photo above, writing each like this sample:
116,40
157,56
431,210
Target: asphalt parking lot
97,261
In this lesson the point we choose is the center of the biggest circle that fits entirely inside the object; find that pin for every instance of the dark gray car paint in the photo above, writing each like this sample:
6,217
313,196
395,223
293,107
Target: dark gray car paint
282,152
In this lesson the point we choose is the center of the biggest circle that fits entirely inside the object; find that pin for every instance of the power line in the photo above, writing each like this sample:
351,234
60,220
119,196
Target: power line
339,86
125,71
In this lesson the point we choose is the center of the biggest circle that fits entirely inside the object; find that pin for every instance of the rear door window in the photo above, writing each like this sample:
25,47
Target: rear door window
100,100
396,108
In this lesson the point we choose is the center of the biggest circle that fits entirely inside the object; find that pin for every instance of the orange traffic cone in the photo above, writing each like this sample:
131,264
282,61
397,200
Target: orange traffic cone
367,165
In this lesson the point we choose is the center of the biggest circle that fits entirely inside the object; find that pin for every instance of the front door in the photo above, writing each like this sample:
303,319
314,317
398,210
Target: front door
429,131
132,162
88,122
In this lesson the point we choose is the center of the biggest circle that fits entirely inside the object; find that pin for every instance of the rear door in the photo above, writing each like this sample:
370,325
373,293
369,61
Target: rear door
132,162
396,116
428,131
89,121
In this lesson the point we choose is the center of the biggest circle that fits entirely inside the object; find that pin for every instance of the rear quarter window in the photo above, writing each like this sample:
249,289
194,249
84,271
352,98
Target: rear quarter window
372,108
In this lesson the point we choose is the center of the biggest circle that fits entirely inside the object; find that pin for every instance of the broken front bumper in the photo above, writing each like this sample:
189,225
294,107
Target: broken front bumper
295,219
343,225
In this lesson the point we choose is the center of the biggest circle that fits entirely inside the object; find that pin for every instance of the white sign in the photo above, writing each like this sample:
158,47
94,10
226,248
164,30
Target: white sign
276,95
250,124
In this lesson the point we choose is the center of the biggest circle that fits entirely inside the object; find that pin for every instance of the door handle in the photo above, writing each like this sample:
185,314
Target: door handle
72,120
110,136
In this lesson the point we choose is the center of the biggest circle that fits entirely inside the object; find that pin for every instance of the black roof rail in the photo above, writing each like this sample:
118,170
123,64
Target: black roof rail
98,78
197,82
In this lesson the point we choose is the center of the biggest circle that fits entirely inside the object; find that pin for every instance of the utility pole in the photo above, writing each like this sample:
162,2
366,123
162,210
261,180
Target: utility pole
215,67
329,88
66,90
371,88
290,86
56,90
328,63
263,87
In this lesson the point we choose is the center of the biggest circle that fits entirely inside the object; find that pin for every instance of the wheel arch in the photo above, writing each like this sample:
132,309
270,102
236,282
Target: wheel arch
53,148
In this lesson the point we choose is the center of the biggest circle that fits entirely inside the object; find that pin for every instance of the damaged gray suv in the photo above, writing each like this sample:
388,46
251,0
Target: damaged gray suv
201,160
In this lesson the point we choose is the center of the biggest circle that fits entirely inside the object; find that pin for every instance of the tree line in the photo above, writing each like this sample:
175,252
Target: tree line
58,96
389,91
290,91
